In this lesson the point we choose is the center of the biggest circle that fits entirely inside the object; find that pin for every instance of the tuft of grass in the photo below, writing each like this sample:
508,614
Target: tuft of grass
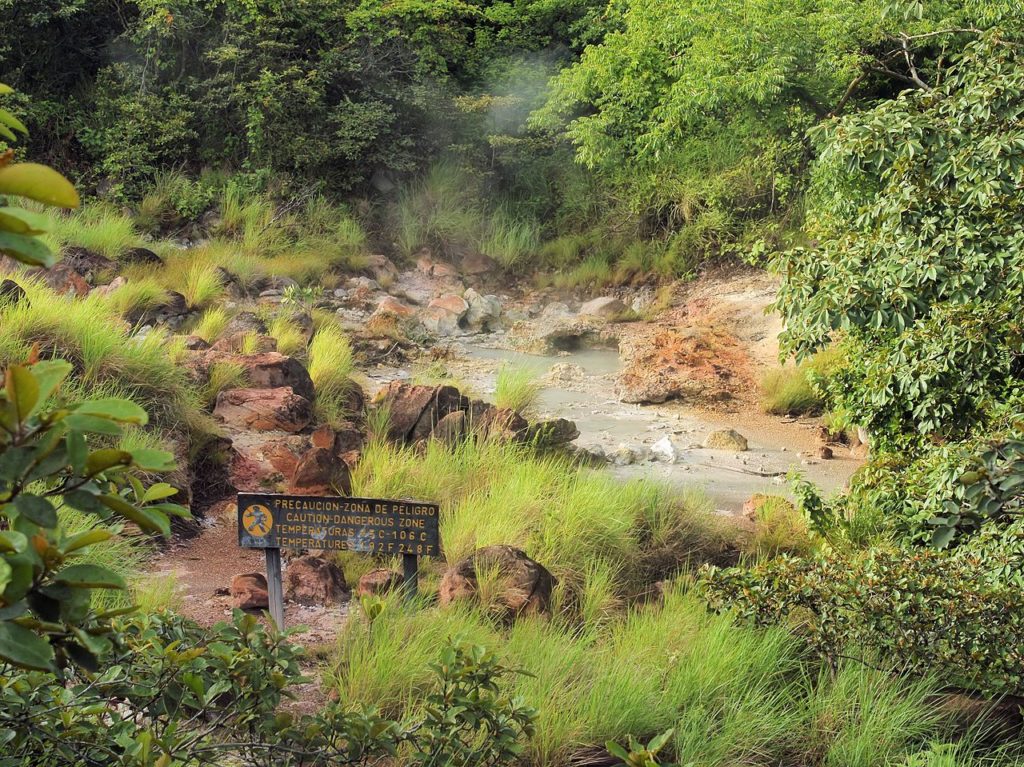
510,239
290,338
223,375
779,528
517,388
330,366
250,343
594,272
441,210
212,324
156,593
98,227
137,296
796,389
202,285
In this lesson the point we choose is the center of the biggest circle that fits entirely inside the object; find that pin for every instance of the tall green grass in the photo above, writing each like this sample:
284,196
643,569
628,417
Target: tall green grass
98,227
791,390
732,695
510,239
517,388
330,366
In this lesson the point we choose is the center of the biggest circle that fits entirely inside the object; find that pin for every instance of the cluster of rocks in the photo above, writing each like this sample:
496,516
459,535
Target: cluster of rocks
417,413
524,586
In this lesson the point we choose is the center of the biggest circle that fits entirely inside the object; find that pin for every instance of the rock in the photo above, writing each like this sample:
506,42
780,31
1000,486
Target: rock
607,307
483,312
64,280
195,344
524,585
553,433
451,428
414,411
457,305
824,452
85,262
726,439
235,342
391,305
115,284
249,592
566,373
382,267
313,580
11,292
439,321
501,423
279,409
140,256
319,471
364,285
651,387
272,370
752,504
378,581
555,310
624,455
245,322
475,264
323,437
665,450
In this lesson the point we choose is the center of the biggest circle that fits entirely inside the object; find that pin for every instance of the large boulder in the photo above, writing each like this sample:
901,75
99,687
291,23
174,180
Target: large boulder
483,312
524,586
64,280
391,305
452,428
726,439
501,423
607,307
439,321
87,263
457,305
141,256
313,580
320,471
268,370
249,591
414,410
279,409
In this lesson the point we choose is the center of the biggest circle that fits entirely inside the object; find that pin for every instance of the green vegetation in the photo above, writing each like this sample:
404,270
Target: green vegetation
797,389
99,228
517,388
330,367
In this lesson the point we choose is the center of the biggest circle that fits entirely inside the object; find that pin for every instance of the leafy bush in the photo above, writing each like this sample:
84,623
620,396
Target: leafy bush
924,612
212,696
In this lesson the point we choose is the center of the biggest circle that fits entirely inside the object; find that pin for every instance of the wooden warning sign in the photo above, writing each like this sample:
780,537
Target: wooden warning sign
332,523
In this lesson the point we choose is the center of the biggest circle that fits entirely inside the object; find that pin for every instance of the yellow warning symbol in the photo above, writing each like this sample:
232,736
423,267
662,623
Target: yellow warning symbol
257,520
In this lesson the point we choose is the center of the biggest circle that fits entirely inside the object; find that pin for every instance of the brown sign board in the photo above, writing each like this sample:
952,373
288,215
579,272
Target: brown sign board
336,523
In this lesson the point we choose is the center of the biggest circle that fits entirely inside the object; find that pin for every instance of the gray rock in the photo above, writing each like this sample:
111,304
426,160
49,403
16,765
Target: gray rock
665,450
605,306
439,321
726,439
624,455
483,312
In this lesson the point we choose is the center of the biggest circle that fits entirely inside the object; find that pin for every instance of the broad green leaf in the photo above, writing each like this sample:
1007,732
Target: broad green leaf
101,460
150,521
5,575
23,648
50,374
38,510
10,120
89,576
5,89
152,460
12,541
87,538
28,250
21,221
120,410
22,390
92,424
39,183
158,492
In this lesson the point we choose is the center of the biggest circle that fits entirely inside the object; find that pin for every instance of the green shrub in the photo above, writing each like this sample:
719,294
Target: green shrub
798,390
212,324
510,240
924,612
779,528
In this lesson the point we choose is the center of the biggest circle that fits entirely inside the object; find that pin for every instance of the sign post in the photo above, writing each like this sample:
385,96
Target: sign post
335,523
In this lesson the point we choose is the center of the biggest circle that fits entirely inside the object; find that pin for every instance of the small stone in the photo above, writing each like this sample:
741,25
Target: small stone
607,307
313,580
824,452
249,591
664,450
380,581
726,439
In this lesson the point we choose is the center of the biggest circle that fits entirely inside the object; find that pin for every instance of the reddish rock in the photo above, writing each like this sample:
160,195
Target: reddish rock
439,321
323,437
457,305
752,504
85,262
391,305
452,428
313,580
824,452
501,423
196,344
319,471
64,280
269,370
378,582
441,269
235,342
414,411
381,267
249,591
278,409
525,586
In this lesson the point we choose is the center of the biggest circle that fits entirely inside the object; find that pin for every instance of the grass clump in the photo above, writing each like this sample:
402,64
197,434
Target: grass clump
98,227
779,528
517,388
289,336
796,389
510,239
202,286
330,365
223,375
212,324
137,296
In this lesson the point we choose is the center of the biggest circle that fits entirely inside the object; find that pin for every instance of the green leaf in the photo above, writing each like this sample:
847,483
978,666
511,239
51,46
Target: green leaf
39,183
120,410
28,250
107,458
12,541
150,521
22,390
50,374
942,537
152,460
5,575
8,119
88,538
158,492
92,424
21,221
36,509
89,576
23,648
